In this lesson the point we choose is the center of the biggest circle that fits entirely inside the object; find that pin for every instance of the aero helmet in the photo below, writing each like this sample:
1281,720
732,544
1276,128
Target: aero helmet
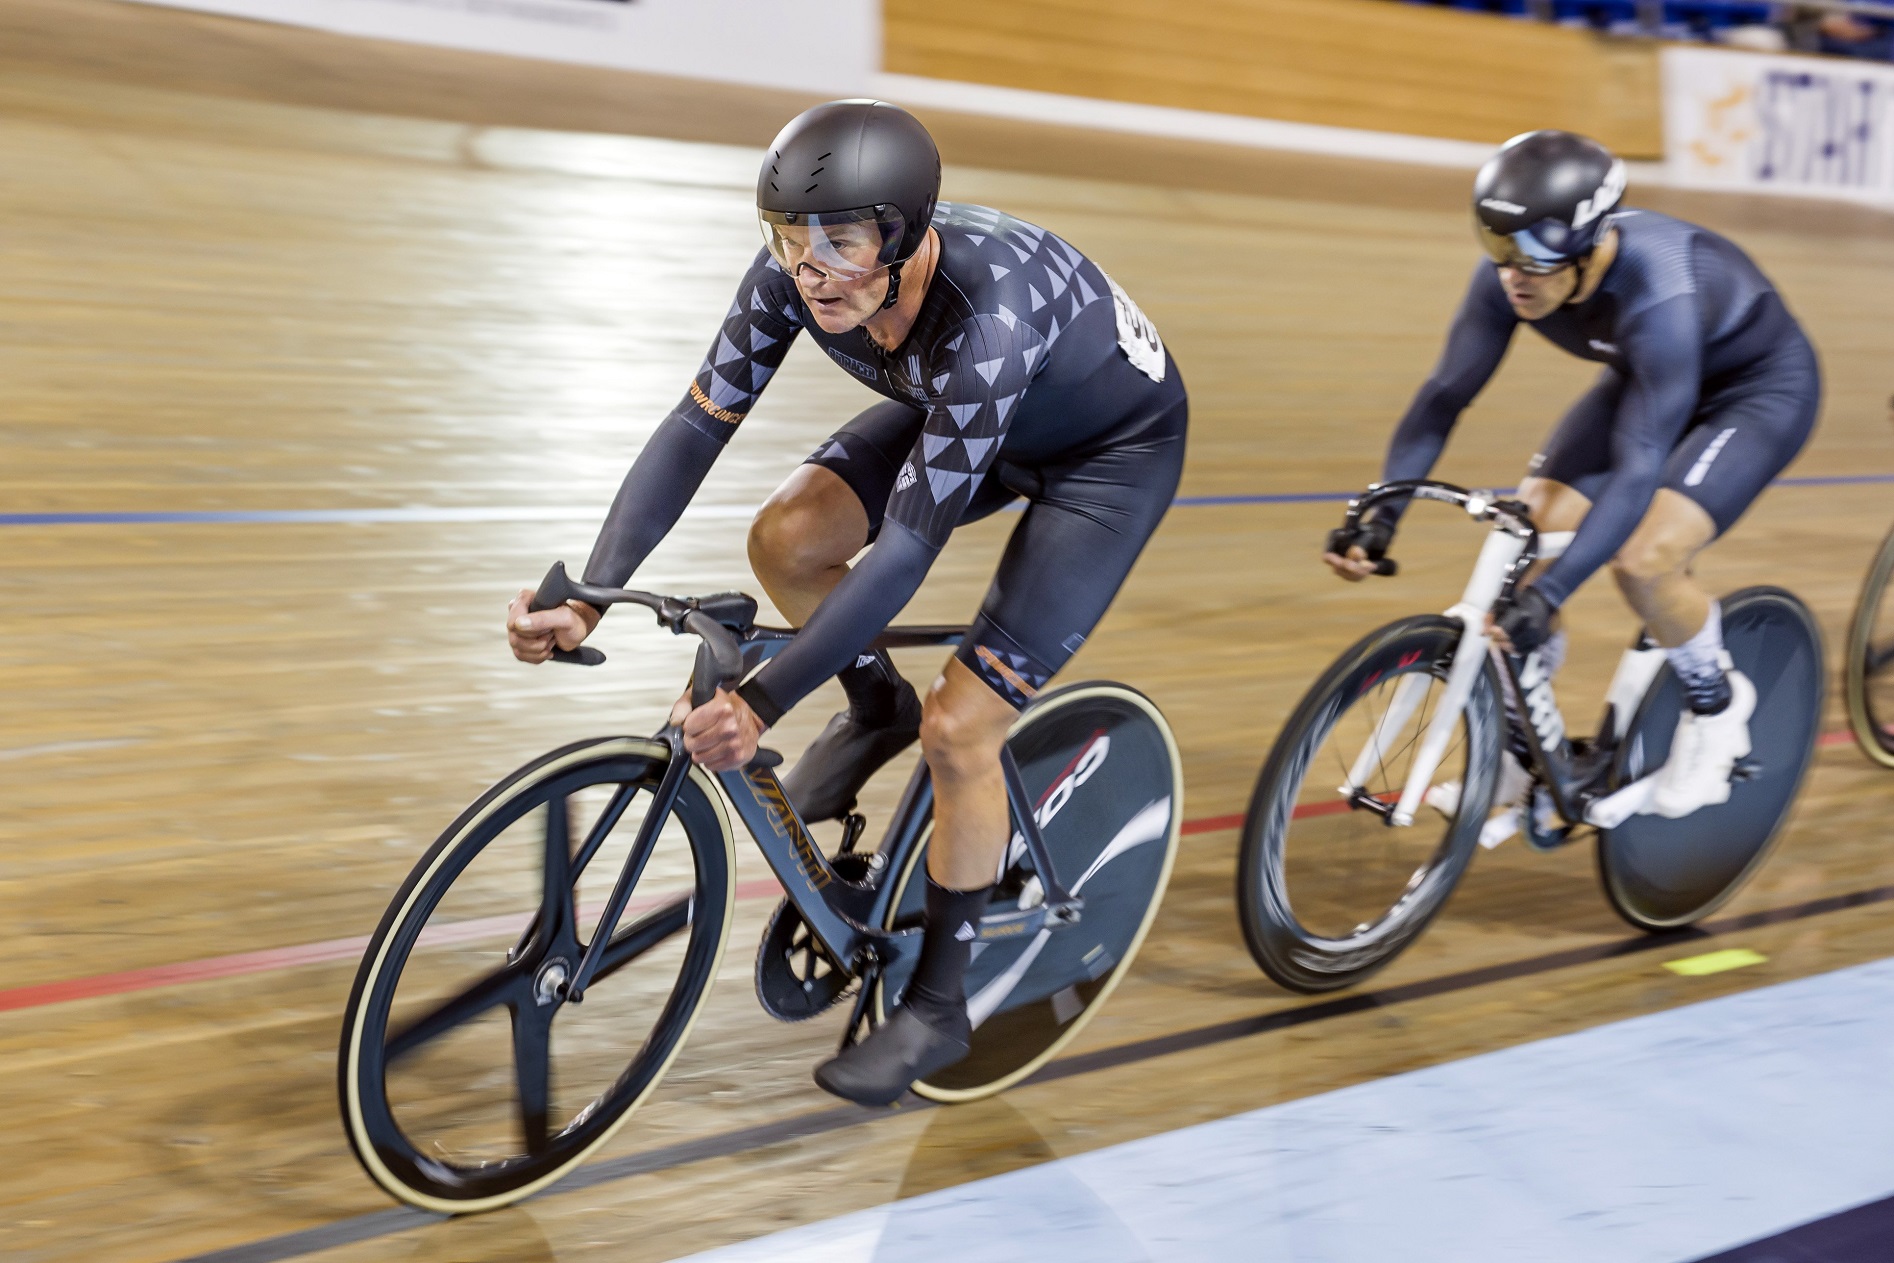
1541,202
847,189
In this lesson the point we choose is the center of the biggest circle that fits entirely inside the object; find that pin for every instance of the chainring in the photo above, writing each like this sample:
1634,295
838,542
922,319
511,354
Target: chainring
795,979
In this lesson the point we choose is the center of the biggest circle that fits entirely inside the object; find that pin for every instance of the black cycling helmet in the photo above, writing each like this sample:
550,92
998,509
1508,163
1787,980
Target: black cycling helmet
848,188
1540,203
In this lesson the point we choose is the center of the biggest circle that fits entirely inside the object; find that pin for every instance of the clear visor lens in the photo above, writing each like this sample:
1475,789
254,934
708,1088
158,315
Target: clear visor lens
846,245
1520,250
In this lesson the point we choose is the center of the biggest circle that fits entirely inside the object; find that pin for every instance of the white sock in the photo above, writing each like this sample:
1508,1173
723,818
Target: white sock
1698,663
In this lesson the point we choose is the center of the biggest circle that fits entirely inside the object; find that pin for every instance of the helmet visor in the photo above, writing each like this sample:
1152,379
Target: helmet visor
1521,250
846,245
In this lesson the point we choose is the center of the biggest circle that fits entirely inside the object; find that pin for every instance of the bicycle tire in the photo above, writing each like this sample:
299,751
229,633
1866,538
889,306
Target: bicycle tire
1874,733
1099,837
389,1156
1292,954
1660,873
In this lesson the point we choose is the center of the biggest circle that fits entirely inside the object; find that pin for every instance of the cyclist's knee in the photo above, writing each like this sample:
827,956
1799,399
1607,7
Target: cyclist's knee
962,731
1554,505
797,534
1646,560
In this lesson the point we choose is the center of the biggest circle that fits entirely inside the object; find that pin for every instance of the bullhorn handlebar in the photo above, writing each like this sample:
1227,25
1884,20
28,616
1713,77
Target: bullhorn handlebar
715,620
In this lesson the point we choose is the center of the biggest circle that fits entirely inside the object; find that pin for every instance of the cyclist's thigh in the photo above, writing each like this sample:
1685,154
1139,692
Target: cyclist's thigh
1579,452
1070,553
1743,438
868,451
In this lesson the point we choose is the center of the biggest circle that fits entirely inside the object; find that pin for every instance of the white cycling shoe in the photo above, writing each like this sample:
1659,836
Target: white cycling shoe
1703,754
1509,798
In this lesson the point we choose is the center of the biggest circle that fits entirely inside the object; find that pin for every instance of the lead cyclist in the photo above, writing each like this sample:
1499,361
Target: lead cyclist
1010,365
1709,389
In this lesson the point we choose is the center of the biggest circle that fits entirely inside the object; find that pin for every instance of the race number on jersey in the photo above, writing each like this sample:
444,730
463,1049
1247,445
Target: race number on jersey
1137,336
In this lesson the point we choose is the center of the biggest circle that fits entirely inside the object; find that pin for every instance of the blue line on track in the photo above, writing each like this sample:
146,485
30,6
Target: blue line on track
567,513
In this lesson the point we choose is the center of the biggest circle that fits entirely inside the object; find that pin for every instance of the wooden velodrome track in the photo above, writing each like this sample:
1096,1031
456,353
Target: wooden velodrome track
247,269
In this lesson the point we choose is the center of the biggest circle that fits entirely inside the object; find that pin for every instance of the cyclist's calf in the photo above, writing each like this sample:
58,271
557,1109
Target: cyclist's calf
1653,567
963,727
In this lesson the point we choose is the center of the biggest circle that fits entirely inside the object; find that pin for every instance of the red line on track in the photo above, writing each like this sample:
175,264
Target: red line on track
241,963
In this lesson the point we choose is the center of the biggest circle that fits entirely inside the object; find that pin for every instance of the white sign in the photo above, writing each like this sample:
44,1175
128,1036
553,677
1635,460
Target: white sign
1753,122
826,46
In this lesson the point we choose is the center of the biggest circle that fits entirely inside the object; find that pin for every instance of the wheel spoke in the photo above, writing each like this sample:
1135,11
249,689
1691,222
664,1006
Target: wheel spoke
634,940
498,987
1879,656
606,822
532,1070
556,896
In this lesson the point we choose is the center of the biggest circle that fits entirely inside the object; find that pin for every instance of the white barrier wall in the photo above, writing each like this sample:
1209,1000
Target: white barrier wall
1753,122
836,43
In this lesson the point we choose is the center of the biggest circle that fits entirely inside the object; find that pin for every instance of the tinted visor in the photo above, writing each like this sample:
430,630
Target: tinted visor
846,245
1523,250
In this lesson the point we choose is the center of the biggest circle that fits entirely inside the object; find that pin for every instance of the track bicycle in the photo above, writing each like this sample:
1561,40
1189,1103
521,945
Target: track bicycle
1868,675
500,1030
1383,782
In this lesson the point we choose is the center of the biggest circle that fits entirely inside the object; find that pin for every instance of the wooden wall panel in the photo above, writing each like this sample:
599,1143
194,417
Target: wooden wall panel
1345,63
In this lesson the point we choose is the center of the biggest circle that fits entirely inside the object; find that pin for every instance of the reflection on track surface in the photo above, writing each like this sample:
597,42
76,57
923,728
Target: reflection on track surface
220,741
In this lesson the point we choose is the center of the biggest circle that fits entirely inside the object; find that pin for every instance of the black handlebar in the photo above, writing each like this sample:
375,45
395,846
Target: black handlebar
711,618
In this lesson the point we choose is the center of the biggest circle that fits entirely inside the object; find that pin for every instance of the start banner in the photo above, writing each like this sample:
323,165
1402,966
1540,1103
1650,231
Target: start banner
1755,122
826,46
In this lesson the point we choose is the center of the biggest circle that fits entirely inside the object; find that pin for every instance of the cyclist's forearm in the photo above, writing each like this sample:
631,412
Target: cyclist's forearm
652,497
1419,440
1423,432
1607,525
849,618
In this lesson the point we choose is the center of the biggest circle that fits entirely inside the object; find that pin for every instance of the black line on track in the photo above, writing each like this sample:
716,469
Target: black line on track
383,1223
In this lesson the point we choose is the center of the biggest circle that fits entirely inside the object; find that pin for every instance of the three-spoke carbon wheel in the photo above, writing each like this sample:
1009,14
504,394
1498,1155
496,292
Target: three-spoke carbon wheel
1104,775
1661,873
468,1080
1869,673
1328,890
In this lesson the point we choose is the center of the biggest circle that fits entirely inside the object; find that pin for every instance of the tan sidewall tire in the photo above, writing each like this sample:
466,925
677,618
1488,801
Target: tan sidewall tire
358,1131
1855,683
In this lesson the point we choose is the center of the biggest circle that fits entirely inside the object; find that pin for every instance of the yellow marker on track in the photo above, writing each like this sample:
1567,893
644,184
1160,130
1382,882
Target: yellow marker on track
1715,962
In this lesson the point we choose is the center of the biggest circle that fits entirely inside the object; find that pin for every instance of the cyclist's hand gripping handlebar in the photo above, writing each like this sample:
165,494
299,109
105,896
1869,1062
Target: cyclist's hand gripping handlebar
555,590
719,657
1510,516
1371,536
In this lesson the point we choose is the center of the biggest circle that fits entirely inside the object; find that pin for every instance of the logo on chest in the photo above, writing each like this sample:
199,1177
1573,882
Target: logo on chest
861,368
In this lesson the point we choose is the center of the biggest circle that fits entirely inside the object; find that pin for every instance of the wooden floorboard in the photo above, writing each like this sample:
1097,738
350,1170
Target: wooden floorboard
240,270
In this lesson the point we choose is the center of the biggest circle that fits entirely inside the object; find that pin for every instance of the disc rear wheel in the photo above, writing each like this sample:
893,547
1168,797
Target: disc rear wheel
1101,765
1661,873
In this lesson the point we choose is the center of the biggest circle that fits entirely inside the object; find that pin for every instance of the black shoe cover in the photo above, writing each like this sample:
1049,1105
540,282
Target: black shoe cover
896,1053
825,780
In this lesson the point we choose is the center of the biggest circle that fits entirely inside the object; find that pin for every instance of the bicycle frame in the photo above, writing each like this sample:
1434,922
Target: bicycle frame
1513,546
839,916
843,916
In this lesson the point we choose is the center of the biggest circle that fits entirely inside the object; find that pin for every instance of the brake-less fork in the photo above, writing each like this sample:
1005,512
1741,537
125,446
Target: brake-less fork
1513,546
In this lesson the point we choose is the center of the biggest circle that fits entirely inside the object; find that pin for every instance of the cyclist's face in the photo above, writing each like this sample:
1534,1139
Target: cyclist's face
849,291
1536,297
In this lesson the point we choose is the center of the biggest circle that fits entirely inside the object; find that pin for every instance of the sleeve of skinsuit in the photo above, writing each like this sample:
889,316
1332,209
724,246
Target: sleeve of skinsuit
978,375
750,346
1663,350
1476,343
